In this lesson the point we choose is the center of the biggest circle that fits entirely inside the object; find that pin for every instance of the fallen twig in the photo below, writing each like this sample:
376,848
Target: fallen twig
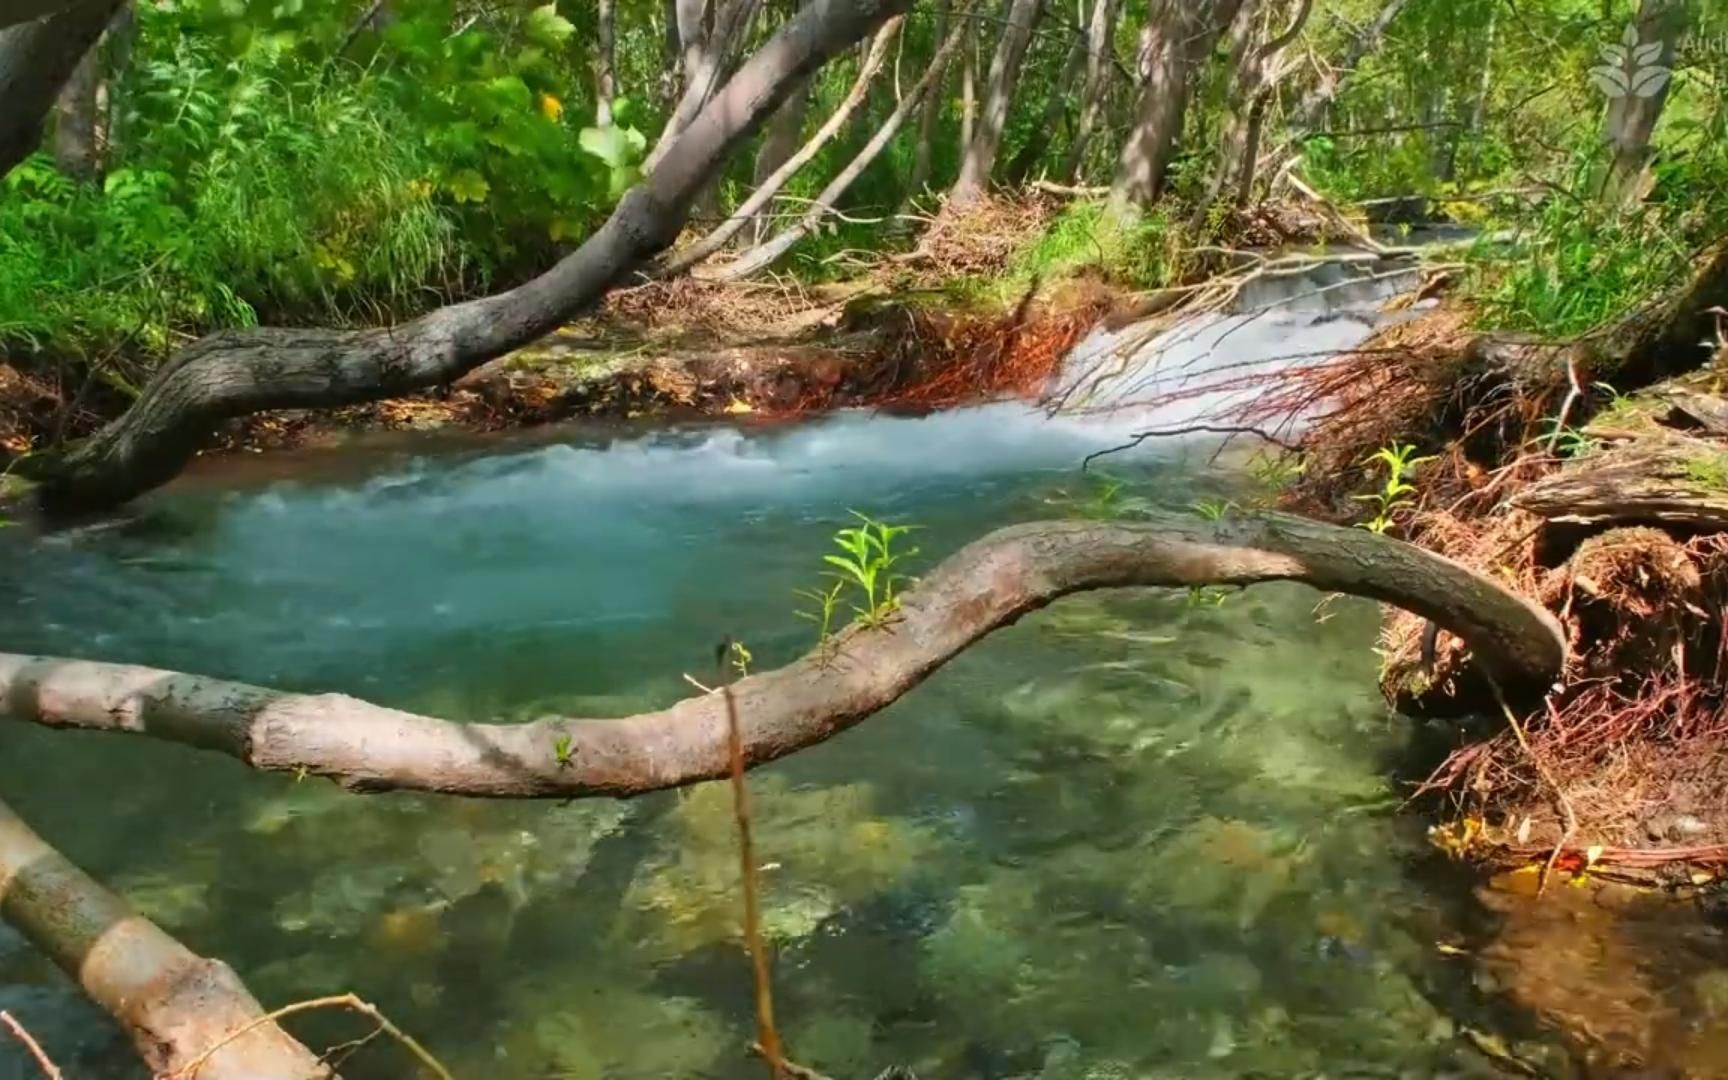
337,1001
43,1061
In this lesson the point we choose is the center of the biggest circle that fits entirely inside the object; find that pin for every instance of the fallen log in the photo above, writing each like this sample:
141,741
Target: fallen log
1668,480
173,1004
989,584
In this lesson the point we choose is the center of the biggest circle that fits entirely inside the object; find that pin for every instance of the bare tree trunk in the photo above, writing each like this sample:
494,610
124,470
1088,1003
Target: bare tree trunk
979,159
605,82
172,1004
1632,115
1055,105
1259,69
769,186
969,84
36,59
708,54
1100,47
239,372
991,583
764,255
932,114
75,118
1308,113
671,53
1181,35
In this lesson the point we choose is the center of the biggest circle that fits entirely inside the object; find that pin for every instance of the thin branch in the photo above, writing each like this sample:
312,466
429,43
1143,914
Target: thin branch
1194,429
767,1036
337,1001
43,1061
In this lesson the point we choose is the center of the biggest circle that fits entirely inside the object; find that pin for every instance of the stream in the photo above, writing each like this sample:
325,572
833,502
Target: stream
1138,834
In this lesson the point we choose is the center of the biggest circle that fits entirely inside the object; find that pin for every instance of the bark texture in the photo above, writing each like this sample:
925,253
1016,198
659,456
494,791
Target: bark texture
932,114
239,372
172,1003
1056,105
1180,35
1632,117
710,49
75,145
764,255
36,59
978,160
605,81
1670,481
989,584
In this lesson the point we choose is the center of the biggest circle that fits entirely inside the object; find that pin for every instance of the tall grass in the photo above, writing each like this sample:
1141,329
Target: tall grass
246,190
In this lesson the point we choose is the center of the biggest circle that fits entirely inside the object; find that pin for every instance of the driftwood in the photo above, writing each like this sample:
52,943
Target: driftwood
989,584
173,1004
1668,480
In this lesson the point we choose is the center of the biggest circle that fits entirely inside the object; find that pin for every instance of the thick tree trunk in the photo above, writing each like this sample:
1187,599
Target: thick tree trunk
932,114
1100,48
708,54
1312,108
1632,115
75,150
969,83
979,159
36,59
239,372
989,584
605,81
1180,36
769,186
764,255
172,1004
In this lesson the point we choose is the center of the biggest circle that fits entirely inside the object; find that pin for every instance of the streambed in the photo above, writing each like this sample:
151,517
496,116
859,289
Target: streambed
1139,834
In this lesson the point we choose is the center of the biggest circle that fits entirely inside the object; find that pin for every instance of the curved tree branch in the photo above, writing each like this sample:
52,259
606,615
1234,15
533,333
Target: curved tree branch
239,372
989,584
173,1004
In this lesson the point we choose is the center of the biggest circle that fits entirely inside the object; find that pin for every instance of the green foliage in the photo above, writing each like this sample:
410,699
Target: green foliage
1396,493
1569,442
826,602
1709,471
1140,253
251,177
866,567
1212,509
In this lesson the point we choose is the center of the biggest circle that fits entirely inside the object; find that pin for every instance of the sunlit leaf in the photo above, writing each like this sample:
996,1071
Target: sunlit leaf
545,25
468,186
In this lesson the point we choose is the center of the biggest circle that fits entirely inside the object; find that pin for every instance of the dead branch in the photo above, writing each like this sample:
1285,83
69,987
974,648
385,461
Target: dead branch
989,584
170,1002
352,1002
43,1061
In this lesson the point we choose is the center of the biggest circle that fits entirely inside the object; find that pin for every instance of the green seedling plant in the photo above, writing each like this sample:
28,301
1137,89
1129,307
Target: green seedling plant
1212,509
1397,493
867,566
826,602
1201,596
1569,442
564,751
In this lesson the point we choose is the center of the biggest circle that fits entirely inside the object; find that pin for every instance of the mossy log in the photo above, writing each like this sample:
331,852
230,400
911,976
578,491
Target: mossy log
1673,481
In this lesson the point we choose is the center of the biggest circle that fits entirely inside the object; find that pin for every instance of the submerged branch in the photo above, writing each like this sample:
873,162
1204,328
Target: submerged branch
173,1005
987,585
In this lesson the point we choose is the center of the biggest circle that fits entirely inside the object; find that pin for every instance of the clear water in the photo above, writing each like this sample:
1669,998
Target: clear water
1133,835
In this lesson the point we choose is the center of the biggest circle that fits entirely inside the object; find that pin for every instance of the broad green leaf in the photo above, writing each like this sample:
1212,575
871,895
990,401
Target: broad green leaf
616,146
468,186
545,25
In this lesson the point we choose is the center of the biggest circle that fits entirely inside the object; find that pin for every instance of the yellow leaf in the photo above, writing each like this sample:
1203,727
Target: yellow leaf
738,407
1591,854
550,107
1450,950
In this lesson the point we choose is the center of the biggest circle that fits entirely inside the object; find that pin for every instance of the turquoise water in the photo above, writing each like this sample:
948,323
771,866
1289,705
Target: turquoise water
1137,834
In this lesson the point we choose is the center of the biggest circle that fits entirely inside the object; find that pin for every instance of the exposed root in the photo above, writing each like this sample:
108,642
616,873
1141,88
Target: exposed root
50,1070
